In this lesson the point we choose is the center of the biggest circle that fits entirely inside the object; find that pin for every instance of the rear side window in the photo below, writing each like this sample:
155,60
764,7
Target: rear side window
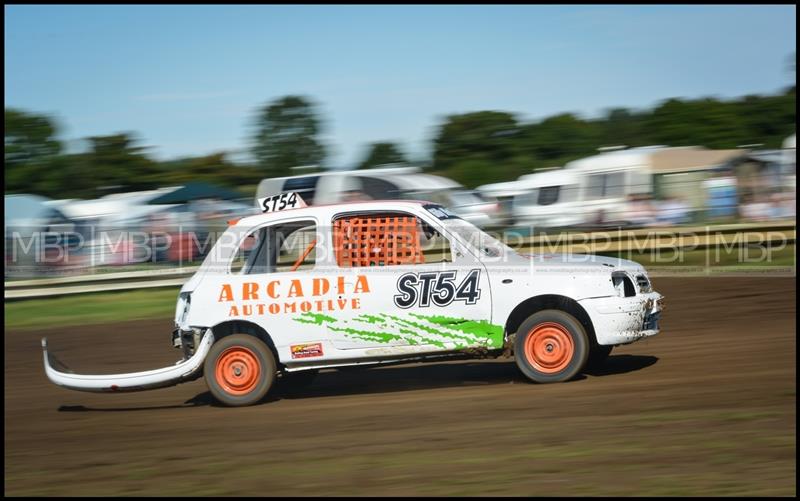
306,187
386,239
379,189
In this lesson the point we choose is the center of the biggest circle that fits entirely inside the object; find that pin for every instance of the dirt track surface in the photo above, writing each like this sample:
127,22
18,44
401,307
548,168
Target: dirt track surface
706,407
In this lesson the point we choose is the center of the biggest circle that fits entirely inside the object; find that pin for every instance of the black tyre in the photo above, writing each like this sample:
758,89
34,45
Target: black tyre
551,346
239,370
598,355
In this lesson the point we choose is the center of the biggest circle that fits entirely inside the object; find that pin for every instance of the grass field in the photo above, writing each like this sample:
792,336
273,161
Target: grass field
93,308
750,257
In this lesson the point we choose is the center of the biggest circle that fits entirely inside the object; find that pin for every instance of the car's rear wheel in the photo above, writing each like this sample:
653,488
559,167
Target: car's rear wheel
551,346
239,370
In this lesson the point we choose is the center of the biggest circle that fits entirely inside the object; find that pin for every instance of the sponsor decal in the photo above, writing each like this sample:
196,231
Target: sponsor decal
306,350
294,296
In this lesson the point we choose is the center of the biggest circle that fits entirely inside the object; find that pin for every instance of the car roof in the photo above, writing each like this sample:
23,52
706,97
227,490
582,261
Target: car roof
327,209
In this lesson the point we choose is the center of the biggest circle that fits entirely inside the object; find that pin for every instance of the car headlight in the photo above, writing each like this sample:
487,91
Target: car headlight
622,284
644,283
184,302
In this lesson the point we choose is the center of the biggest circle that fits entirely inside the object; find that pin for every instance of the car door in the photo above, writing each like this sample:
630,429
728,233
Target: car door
414,286
271,282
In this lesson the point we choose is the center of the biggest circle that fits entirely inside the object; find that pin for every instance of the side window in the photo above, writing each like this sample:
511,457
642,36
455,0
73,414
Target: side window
548,195
615,184
594,188
569,193
387,239
297,248
378,189
530,197
247,250
277,248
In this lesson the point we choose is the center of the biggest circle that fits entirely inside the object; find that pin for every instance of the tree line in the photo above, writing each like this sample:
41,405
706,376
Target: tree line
471,148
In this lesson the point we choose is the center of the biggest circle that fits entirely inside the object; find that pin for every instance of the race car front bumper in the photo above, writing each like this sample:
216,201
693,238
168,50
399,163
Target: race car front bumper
623,320
184,370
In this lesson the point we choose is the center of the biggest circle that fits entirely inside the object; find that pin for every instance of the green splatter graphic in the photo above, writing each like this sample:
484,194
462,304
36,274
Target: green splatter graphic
314,318
370,318
431,330
479,328
435,330
369,335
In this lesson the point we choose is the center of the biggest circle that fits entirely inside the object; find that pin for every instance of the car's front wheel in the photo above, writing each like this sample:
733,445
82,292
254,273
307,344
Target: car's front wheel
239,370
551,346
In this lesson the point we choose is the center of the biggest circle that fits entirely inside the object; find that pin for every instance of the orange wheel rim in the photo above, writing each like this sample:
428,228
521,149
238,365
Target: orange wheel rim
549,347
238,370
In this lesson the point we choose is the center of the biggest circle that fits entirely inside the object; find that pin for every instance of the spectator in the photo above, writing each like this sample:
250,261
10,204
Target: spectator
640,210
782,205
753,209
673,210
789,204
721,191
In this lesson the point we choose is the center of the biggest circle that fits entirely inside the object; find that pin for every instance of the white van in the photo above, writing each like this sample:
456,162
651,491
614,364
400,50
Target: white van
400,183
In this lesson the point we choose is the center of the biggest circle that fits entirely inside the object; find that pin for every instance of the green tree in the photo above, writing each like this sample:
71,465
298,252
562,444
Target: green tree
212,169
487,136
621,126
115,163
706,122
382,154
481,147
559,136
287,136
30,144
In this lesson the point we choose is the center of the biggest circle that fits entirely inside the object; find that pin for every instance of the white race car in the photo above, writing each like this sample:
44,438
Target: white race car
288,292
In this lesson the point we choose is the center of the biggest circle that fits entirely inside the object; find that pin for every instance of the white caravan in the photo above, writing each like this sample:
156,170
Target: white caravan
549,199
589,191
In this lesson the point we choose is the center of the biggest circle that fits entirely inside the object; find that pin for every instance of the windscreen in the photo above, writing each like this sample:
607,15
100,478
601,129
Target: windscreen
471,234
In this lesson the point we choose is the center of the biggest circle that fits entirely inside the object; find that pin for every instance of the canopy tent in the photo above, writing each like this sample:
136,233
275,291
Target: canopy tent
31,212
195,191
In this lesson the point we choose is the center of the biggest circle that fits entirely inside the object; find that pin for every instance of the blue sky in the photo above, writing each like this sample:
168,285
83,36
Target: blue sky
189,79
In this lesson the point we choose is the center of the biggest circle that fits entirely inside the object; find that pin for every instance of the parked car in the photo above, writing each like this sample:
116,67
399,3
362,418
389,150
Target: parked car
285,294
401,183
